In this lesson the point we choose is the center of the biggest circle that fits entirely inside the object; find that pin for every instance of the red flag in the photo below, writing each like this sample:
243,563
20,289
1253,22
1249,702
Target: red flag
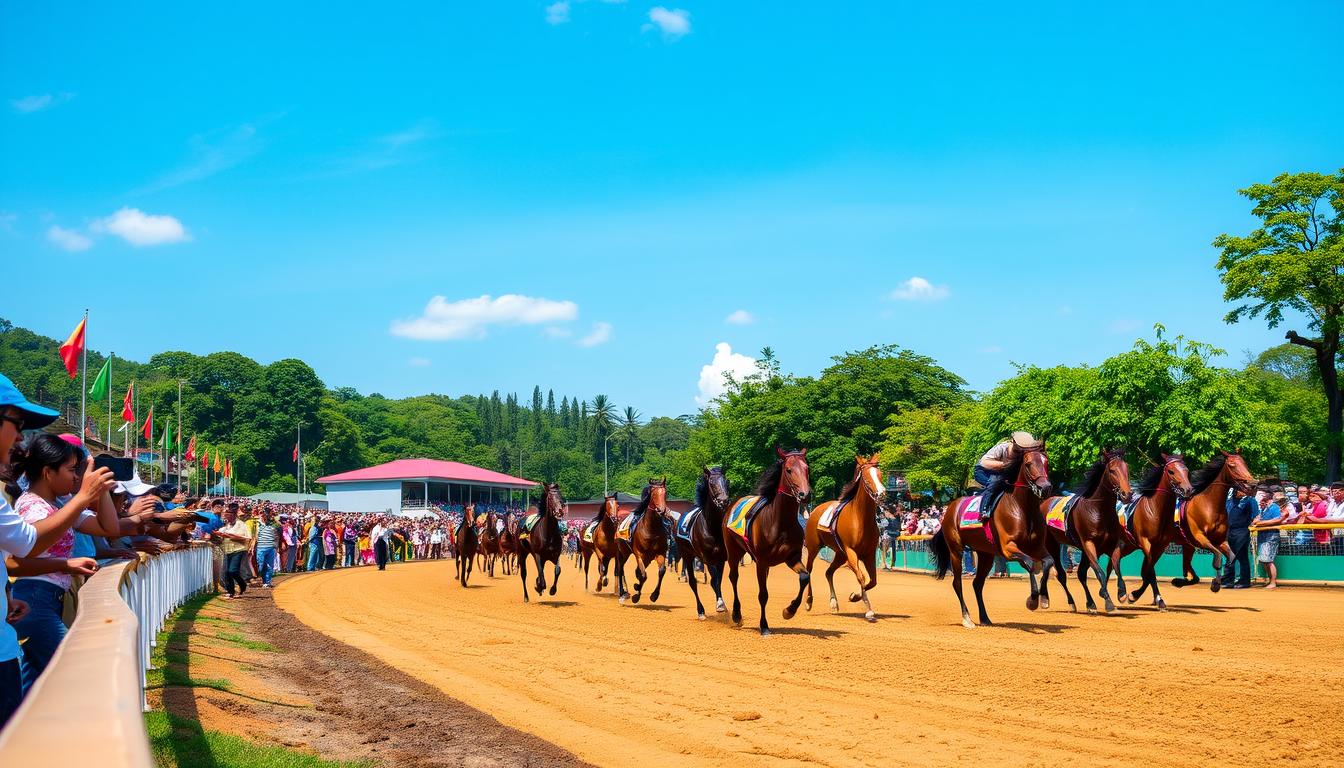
73,348
228,468
296,452
148,430
191,449
205,460
126,413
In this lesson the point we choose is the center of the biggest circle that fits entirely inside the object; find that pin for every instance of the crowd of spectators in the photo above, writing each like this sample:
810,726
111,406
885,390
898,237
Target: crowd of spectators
1268,509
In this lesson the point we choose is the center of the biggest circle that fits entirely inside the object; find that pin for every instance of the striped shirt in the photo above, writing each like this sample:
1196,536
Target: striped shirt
266,536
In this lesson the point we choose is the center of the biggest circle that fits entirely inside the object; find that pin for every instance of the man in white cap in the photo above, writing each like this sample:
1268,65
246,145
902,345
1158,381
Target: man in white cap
990,469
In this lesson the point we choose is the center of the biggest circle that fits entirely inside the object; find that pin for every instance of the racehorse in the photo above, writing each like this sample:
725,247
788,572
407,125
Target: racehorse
466,543
704,541
1203,520
1153,522
647,542
489,543
603,545
543,541
853,532
508,543
1094,525
1018,532
772,535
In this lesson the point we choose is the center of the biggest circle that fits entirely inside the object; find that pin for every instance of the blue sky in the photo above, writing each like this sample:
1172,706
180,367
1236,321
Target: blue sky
287,183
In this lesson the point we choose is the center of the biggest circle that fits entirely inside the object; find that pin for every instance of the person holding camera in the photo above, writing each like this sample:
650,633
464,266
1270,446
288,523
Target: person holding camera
236,541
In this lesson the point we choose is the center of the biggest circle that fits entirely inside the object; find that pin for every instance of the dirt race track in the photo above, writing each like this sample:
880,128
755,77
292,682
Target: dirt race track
1241,677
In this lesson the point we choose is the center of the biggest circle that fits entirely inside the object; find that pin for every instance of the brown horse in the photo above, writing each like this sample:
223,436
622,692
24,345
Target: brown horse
1153,522
544,541
603,545
705,540
466,543
1018,528
488,548
773,535
647,542
1203,520
508,543
1094,525
853,535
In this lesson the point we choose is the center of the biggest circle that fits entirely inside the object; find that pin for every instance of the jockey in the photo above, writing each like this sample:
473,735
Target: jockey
989,470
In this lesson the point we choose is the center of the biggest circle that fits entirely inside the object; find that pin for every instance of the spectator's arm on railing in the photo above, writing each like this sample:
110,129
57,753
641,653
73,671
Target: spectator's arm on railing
38,566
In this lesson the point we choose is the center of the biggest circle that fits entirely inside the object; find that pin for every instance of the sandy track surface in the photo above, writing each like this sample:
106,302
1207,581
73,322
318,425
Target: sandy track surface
1244,676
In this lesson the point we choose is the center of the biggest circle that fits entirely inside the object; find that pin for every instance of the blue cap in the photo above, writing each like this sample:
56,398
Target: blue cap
34,416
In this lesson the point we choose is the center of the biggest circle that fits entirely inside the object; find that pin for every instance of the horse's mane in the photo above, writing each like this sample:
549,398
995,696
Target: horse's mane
702,491
851,488
1094,475
768,485
1014,467
644,496
1152,478
1203,478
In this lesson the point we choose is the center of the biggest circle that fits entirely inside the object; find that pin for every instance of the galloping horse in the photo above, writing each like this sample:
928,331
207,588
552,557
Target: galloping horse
1093,524
603,545
772,535
489,543
1203,520
1153,522
1018,532
852,533
647,542
466,543
508,543
543,540
704,541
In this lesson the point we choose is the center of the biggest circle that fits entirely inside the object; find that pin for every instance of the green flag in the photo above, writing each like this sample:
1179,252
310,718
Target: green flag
103,383
167,435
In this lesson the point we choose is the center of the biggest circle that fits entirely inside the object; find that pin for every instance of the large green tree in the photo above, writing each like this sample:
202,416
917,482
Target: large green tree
1293,265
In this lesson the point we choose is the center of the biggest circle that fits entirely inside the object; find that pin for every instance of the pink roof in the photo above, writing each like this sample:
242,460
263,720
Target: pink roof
431,469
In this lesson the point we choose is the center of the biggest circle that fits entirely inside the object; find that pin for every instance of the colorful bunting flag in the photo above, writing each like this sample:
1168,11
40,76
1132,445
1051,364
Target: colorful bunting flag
102,383
128,413
148,430
73,348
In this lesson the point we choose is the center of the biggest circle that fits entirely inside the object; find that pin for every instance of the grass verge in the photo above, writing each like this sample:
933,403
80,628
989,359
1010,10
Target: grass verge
182,742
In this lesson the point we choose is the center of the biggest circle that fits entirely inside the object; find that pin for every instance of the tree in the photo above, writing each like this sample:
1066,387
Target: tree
630,431
929,445
1294,262
601,417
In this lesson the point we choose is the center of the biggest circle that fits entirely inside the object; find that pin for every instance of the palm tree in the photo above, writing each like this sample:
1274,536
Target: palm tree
602,415
630,430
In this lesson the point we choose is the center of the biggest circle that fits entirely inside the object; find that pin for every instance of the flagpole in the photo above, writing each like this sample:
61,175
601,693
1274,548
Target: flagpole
84,379
107,441
298,462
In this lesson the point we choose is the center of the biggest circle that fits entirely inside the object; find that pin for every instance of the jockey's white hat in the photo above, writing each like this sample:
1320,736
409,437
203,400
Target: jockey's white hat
1025,440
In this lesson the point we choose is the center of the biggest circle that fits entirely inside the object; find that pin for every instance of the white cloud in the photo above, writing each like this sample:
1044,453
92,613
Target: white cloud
69,240
674,23
418,362
558,13
725,361
386,151
740,317
139,228
600,334
39,102
919,289
444,320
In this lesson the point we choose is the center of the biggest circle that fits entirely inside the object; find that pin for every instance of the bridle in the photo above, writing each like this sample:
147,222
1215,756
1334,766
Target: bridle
785,484
1035,489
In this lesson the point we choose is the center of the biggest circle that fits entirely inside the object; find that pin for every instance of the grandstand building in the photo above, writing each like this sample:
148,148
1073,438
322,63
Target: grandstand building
413,486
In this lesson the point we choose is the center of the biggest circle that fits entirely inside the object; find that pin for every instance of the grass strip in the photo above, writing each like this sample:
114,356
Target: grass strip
179,742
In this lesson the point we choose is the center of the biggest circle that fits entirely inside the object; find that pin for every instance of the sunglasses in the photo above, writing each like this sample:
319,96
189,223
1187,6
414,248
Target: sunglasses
17,421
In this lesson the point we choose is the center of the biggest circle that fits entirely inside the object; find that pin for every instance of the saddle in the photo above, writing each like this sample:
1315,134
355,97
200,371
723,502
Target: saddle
742,515
683,526
1058,516
623,530
525,528
588,531
968,515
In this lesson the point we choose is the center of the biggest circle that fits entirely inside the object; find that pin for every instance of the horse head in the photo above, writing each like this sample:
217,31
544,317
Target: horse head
716,486
657,493
868,472
1177,476
794,476
611,507
552,503
1035,471
1117,471
1237,473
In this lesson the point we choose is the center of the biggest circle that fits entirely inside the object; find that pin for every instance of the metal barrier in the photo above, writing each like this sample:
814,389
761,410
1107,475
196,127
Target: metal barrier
88,706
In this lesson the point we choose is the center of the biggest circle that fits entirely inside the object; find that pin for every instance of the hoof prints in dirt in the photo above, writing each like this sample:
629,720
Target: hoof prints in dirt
367,709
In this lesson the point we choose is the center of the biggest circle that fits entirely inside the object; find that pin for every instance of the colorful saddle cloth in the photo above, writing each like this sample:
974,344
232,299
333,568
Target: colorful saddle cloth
741,514
525,529
829,515
623,530
968,512
683,526
588,531
1057,516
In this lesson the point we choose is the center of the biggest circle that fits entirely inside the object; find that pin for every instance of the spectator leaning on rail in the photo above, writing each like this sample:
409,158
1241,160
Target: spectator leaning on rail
20,539
1266,524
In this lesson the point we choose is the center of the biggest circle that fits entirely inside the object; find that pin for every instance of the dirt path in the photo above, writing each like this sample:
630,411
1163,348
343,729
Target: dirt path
286,684
1244,676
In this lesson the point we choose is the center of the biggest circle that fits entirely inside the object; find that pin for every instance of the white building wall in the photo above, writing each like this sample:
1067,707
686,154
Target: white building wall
365,496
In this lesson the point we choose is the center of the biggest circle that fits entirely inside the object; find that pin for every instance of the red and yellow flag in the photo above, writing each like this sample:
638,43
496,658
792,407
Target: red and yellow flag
228,468
205,459
191,449
148,430
73,349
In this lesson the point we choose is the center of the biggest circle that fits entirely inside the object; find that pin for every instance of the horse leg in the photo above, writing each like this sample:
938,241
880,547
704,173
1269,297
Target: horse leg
954,558
662,569
1133,597
715,574
811,558
857,565
1150,577
1121,592
522,574
585,556
640,577
1223,551
1083,569
984,563
1187,568
540,586
804,579
763,595
555,580
688,567
834,566
1063,577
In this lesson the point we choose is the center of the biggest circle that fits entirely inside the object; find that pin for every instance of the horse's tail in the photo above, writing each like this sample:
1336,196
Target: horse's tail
942,554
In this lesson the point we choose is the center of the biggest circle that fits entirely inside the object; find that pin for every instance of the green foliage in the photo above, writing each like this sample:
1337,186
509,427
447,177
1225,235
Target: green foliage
930,447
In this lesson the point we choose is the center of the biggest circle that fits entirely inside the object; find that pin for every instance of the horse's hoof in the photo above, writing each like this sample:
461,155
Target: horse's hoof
1110,607
1124,598
871,617
552,591
789,611
653,598
1091,610
835,607
620,601
1215,585
1073,606
855,597
1045,603
1161,605
719,607
635,598
766,633
701,617
967,623
1033,603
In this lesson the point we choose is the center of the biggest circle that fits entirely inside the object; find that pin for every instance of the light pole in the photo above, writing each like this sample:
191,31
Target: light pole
604,464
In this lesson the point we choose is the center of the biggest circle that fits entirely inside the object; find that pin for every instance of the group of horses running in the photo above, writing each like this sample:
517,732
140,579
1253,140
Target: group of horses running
772,527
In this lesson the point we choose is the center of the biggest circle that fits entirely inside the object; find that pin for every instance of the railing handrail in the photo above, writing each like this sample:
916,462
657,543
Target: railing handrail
92,683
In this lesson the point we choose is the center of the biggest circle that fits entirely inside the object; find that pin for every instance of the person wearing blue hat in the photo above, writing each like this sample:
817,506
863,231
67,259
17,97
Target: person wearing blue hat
20,539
